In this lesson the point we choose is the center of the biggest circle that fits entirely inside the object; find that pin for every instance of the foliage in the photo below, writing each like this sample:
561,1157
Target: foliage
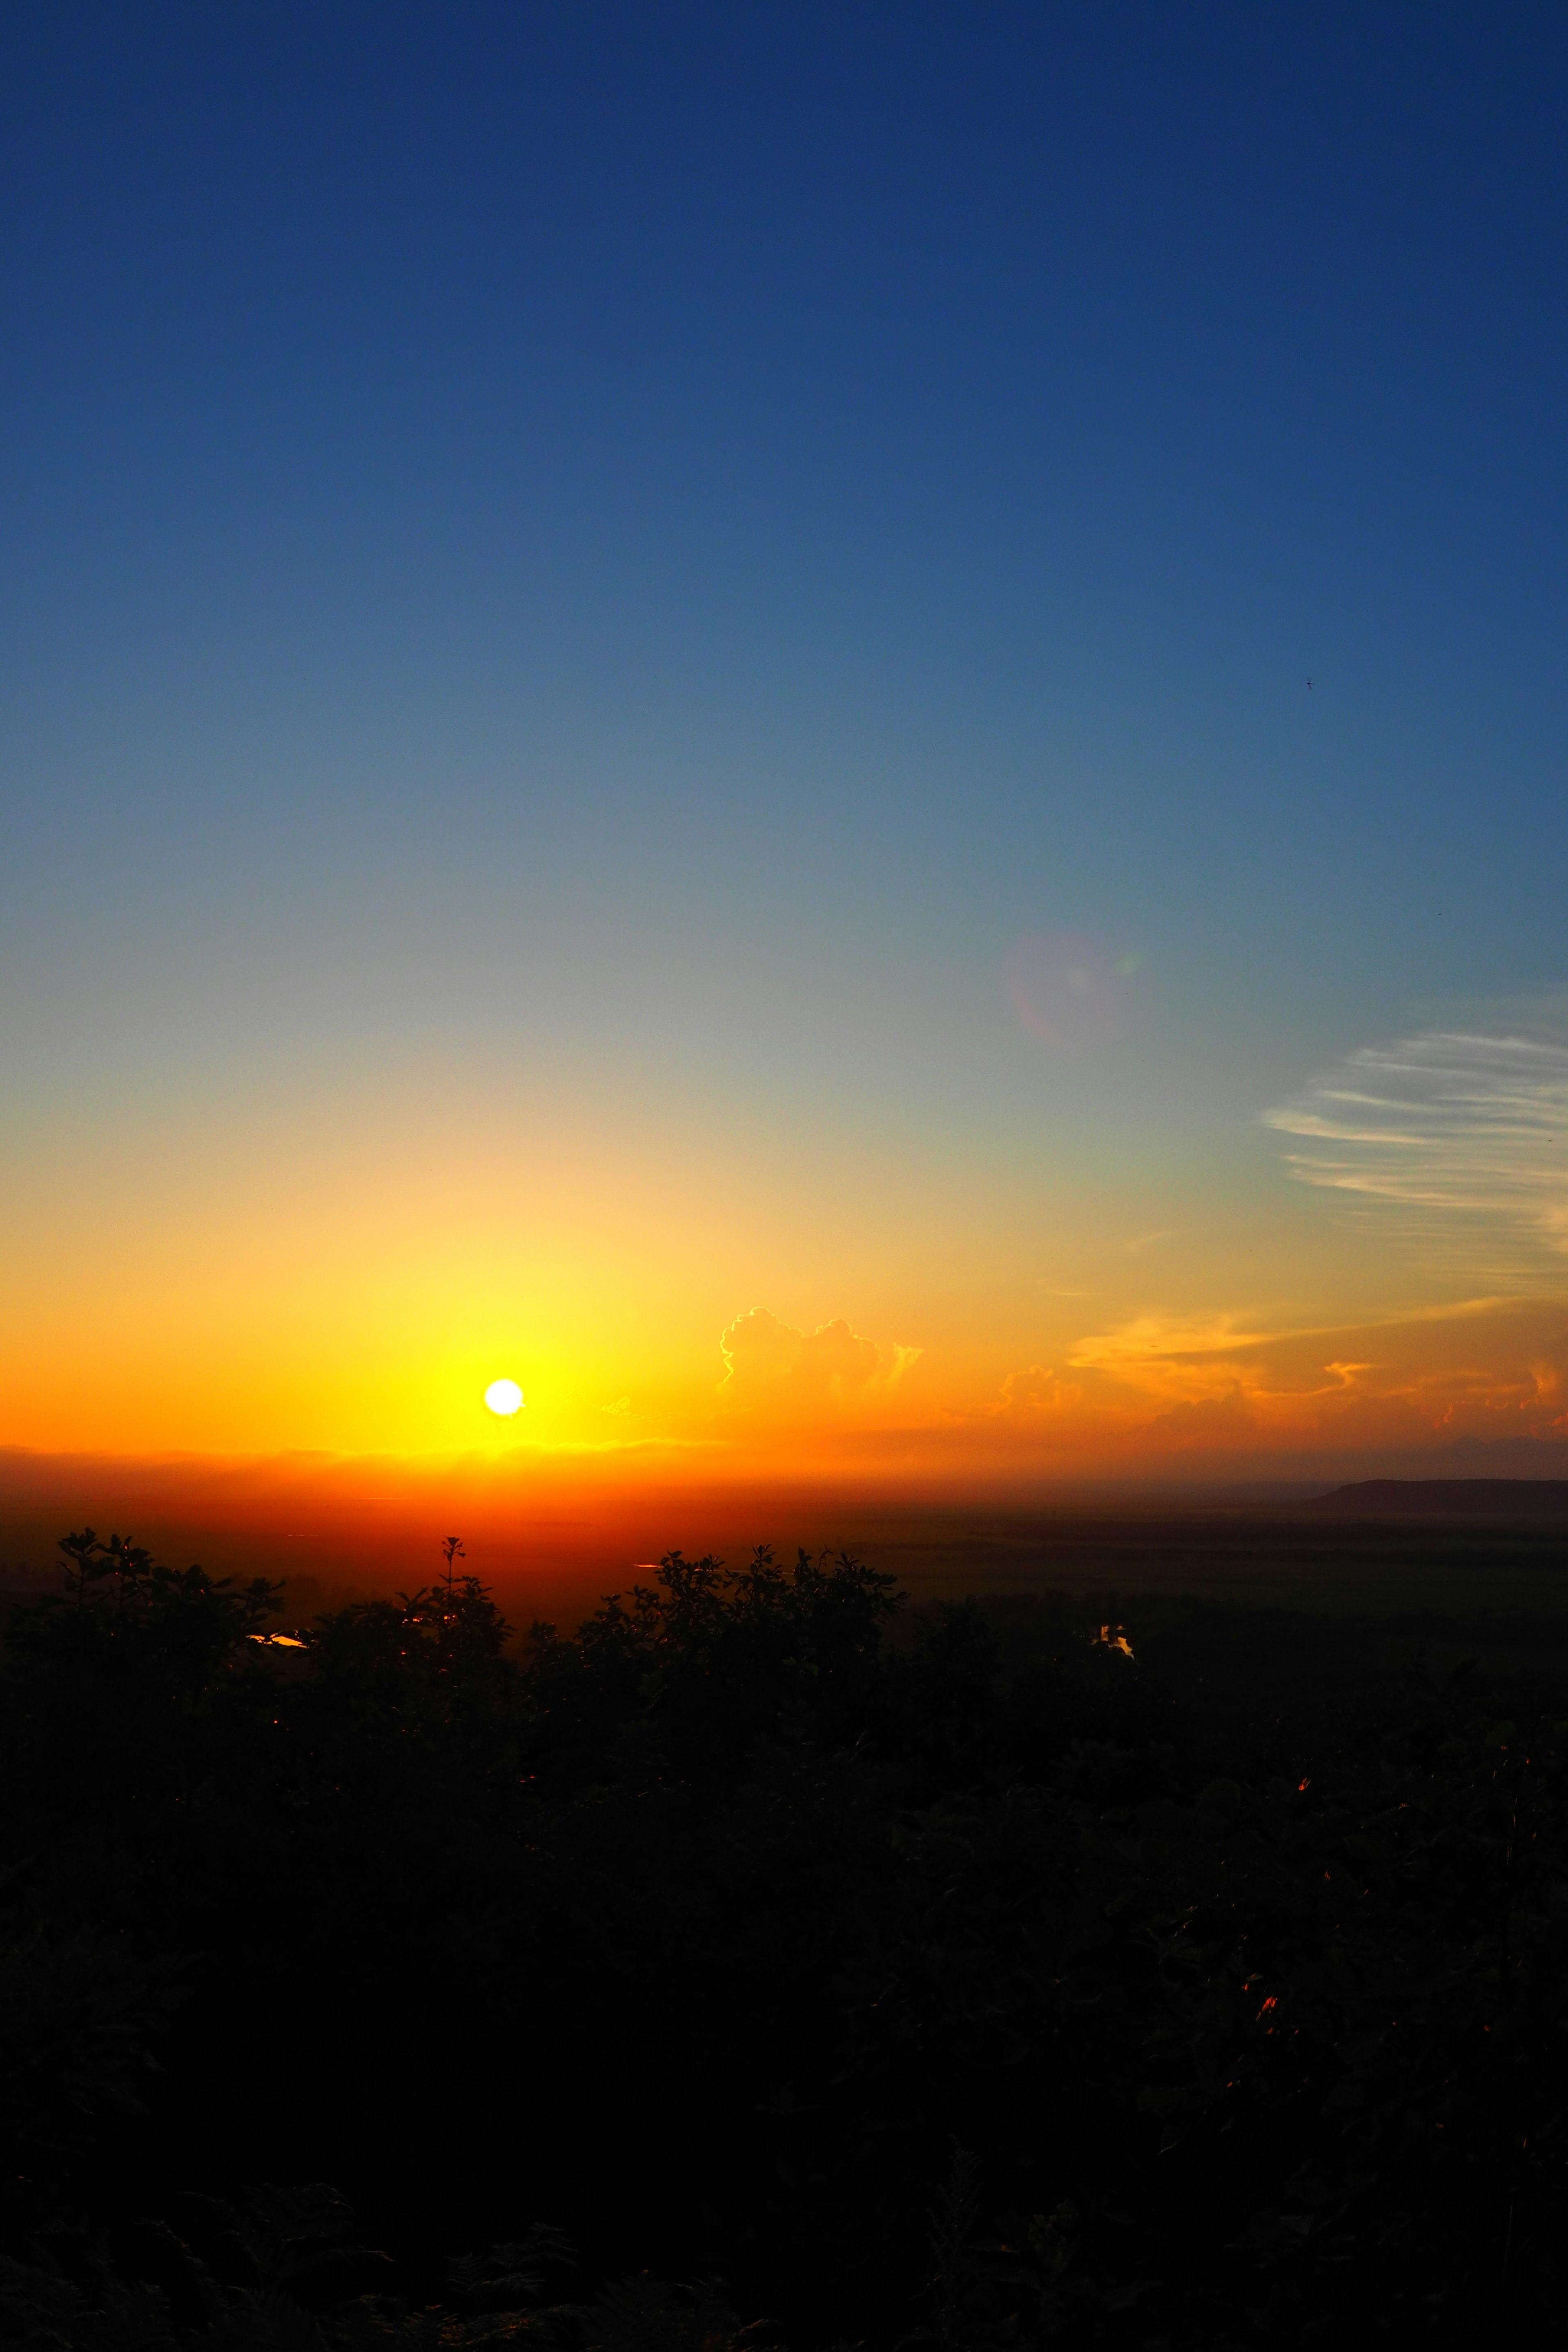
124,1616
943,1978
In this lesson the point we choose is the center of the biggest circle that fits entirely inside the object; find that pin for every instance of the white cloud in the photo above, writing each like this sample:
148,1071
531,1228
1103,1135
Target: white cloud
1461,1141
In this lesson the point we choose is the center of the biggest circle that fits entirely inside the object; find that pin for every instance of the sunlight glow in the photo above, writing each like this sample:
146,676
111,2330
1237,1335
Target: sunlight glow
504,1397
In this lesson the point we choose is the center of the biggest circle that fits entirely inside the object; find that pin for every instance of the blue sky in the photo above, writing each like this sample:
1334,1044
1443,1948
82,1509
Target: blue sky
634,553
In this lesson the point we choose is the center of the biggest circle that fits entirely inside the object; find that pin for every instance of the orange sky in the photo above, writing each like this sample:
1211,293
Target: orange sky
860,774
802,1434
290,1266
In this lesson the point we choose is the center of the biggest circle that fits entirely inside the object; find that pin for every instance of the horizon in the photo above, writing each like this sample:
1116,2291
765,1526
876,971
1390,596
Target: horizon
333,1531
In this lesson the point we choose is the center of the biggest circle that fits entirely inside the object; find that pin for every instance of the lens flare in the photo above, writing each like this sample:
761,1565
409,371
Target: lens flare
504,1397
1066,990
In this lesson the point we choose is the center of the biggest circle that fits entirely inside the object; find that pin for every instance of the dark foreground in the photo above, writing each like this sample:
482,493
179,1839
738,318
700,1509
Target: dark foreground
763,1962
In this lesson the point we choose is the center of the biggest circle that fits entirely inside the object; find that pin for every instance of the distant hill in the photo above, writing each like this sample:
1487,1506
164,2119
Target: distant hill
1491,1502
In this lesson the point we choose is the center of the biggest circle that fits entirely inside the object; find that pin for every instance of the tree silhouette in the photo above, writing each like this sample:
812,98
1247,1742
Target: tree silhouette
944,1976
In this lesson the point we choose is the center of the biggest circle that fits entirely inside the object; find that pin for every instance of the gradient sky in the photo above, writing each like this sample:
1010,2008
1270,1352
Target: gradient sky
657,737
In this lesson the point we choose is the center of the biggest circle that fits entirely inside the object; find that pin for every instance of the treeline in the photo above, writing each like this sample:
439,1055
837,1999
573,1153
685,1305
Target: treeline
764,1961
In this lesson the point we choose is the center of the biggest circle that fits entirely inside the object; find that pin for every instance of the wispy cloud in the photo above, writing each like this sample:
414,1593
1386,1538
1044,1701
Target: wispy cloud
1165,1338
1462,1140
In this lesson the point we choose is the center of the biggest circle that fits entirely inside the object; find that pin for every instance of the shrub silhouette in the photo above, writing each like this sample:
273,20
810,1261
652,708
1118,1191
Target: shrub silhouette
705,1935
127,1618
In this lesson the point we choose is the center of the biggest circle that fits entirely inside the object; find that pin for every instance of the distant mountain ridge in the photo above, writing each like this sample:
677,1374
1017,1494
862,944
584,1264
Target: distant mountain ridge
1497,1502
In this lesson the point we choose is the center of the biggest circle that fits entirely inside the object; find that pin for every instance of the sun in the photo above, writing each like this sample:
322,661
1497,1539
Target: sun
504,1397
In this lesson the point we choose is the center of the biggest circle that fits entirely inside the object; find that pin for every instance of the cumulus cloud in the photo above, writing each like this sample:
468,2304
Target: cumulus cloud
1459,1142
768,1363
1183,1390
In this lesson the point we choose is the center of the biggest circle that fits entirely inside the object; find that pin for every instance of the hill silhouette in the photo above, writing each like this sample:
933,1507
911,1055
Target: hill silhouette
1496,1502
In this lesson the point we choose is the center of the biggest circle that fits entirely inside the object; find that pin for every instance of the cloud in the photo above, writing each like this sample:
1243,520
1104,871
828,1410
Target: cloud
1193,1354
1024,1397
1036,1390
769,1365
1485,1370
1205,1423
1458,1142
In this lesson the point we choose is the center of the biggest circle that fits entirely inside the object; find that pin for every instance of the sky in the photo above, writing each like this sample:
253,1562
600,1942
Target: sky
838,731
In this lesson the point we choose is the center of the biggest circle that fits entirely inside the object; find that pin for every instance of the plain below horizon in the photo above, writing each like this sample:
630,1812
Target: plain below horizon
334,1530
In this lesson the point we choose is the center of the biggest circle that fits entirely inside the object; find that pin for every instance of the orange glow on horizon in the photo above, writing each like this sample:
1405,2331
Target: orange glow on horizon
326,1272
